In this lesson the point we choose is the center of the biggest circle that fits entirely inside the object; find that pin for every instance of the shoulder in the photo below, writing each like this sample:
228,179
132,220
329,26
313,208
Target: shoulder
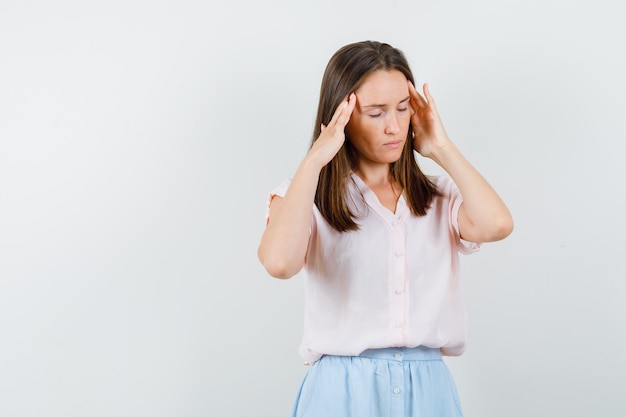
281,189
278,191
444,184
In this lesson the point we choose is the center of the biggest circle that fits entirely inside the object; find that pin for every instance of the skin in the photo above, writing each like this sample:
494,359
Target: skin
378,130
377,117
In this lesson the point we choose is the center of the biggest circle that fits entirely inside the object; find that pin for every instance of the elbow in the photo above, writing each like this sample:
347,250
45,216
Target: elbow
506,226
503,227
490,230
277,267
280,270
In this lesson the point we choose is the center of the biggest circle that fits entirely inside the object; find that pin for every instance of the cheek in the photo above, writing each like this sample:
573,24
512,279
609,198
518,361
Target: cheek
362,127
405,121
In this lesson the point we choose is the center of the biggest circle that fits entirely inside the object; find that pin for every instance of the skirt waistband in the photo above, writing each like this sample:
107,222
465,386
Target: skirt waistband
403,354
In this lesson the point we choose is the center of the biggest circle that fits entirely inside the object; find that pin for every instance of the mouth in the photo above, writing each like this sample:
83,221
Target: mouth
393,145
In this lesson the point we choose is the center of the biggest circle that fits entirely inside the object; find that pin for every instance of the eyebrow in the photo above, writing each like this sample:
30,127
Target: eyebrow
384,105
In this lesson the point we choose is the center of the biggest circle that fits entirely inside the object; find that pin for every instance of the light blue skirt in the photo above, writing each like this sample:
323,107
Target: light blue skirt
392,382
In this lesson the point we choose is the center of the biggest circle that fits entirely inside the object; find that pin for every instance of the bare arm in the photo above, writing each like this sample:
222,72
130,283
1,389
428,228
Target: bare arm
483,216
285,240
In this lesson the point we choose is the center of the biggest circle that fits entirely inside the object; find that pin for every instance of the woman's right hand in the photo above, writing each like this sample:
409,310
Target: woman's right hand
285,240
332,137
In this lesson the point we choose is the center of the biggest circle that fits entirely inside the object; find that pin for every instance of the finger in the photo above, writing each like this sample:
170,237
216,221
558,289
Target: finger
344,118
429,96
412,91
338,111
421,99
416,98
426,90
412,101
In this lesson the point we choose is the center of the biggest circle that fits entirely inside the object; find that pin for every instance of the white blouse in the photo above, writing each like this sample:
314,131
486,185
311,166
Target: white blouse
393,283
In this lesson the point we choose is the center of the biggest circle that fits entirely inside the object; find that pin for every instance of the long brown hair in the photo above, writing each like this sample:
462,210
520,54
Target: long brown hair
345,71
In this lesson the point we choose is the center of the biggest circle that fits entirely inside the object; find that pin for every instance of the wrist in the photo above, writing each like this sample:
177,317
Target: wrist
312,163
443,153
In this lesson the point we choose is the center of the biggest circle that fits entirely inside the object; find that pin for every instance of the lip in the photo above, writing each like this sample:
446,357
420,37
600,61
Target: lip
393,145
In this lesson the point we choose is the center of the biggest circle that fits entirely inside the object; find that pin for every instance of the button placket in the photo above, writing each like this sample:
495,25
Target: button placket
396,385
397,278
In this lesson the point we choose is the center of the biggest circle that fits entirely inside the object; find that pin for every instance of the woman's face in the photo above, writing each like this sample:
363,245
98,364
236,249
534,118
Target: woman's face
379,124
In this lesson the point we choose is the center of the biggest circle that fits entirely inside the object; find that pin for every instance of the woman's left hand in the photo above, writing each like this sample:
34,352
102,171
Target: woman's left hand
483,216
429,133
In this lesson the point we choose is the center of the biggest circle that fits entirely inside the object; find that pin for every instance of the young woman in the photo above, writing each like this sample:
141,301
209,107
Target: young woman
379,243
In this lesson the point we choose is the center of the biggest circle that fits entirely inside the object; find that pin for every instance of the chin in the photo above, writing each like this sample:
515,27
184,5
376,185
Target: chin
394,158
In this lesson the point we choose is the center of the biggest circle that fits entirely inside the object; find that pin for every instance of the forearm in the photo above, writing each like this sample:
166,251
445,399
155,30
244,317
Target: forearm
285,241
483,216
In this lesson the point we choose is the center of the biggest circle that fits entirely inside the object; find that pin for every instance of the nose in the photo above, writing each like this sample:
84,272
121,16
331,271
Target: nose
392,127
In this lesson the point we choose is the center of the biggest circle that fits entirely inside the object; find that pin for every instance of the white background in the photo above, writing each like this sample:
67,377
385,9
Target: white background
139,141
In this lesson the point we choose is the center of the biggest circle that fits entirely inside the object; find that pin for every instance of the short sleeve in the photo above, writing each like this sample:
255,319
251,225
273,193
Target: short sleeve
278,191
456,200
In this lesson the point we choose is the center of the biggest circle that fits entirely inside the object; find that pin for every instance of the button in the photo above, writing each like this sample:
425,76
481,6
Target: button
398,325
396,390
398,253
397,355
398,292
394,223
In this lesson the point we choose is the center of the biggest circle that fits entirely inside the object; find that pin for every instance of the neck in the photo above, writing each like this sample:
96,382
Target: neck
375,175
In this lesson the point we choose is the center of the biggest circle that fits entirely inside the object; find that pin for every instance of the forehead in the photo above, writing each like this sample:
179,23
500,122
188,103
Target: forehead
382,87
